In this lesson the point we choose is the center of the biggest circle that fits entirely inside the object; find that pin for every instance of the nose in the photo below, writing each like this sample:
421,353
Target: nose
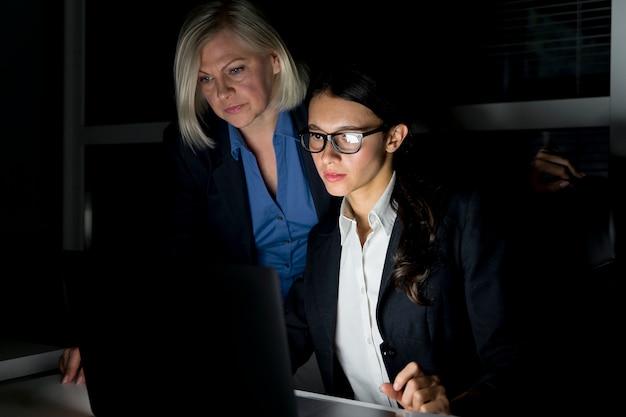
223,88
329,154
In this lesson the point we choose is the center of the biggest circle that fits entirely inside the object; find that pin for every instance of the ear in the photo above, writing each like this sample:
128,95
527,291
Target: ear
276,65
395,137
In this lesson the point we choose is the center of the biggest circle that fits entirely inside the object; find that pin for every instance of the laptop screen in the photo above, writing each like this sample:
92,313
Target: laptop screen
172,337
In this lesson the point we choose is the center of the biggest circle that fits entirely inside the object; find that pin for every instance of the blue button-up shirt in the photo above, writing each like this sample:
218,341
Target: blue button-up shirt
281,226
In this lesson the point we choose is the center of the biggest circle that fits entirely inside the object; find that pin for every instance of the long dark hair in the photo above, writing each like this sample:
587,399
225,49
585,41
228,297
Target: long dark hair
416,197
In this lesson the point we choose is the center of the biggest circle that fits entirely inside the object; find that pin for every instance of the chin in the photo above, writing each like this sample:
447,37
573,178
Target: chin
335,191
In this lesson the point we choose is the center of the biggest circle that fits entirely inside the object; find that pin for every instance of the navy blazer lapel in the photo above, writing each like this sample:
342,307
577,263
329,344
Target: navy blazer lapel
230,179
385,283
323,272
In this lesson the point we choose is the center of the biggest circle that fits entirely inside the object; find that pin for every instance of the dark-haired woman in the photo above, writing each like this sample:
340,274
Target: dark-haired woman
403,299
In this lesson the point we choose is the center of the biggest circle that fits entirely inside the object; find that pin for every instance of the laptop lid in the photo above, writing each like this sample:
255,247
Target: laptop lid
172,337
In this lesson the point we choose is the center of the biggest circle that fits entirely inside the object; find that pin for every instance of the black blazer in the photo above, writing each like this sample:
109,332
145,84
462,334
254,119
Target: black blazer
462,337
208,202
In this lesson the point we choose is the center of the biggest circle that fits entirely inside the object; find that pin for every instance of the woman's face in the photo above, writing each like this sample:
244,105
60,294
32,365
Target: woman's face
364,174
236,81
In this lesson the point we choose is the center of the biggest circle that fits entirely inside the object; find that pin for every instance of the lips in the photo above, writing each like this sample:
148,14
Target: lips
333,176
233,109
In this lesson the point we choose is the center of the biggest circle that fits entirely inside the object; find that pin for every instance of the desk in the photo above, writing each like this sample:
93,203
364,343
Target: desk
43,396
38,392
19,358
30,384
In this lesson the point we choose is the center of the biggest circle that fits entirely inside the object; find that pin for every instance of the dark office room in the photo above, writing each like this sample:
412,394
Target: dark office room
88,91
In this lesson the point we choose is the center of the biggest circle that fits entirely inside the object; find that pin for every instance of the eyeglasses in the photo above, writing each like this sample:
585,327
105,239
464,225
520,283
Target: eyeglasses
343,142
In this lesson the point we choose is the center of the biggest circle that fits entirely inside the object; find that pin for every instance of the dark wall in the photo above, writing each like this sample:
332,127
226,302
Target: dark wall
31,170
31,125
130,47
130,54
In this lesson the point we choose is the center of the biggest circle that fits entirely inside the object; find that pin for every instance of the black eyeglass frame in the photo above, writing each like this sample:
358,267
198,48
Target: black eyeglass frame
330,137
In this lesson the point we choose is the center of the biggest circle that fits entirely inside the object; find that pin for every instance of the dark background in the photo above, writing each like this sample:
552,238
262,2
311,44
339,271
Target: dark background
430,47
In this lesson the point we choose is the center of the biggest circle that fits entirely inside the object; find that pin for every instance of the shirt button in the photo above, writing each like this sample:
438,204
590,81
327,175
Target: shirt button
388,351
279,218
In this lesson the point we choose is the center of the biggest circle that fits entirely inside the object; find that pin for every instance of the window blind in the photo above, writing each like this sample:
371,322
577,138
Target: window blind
521,50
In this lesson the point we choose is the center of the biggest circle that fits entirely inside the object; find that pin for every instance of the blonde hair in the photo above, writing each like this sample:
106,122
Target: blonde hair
253,29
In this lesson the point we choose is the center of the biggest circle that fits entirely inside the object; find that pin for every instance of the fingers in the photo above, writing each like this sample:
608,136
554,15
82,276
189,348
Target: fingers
425,394
541,186
70,366
409,372
418,392
551,172
396,389
556,164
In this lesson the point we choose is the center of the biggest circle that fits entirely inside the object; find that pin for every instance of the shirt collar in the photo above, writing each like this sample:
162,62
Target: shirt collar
284,128
381,212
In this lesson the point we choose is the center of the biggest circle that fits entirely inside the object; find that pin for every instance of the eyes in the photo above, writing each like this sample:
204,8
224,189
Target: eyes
343,142
234,73
347,138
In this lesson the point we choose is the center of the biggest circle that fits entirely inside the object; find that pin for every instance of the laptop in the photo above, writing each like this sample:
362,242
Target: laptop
189,339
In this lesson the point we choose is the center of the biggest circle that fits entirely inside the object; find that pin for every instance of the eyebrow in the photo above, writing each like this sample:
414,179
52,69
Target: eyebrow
243,61
349,128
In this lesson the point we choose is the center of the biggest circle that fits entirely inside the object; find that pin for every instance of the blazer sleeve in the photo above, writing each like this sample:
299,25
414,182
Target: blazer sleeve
480,253
187,173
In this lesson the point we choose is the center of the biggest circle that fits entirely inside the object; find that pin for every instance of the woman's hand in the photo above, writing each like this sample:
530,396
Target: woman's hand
551,172
417,392
70,366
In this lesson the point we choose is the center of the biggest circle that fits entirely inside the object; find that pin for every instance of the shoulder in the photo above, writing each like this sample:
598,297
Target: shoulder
464,200
324,230
171,133
299,116
468,206
326,226
214,127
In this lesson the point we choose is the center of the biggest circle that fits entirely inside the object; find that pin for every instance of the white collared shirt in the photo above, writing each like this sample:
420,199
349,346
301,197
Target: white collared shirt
358,338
